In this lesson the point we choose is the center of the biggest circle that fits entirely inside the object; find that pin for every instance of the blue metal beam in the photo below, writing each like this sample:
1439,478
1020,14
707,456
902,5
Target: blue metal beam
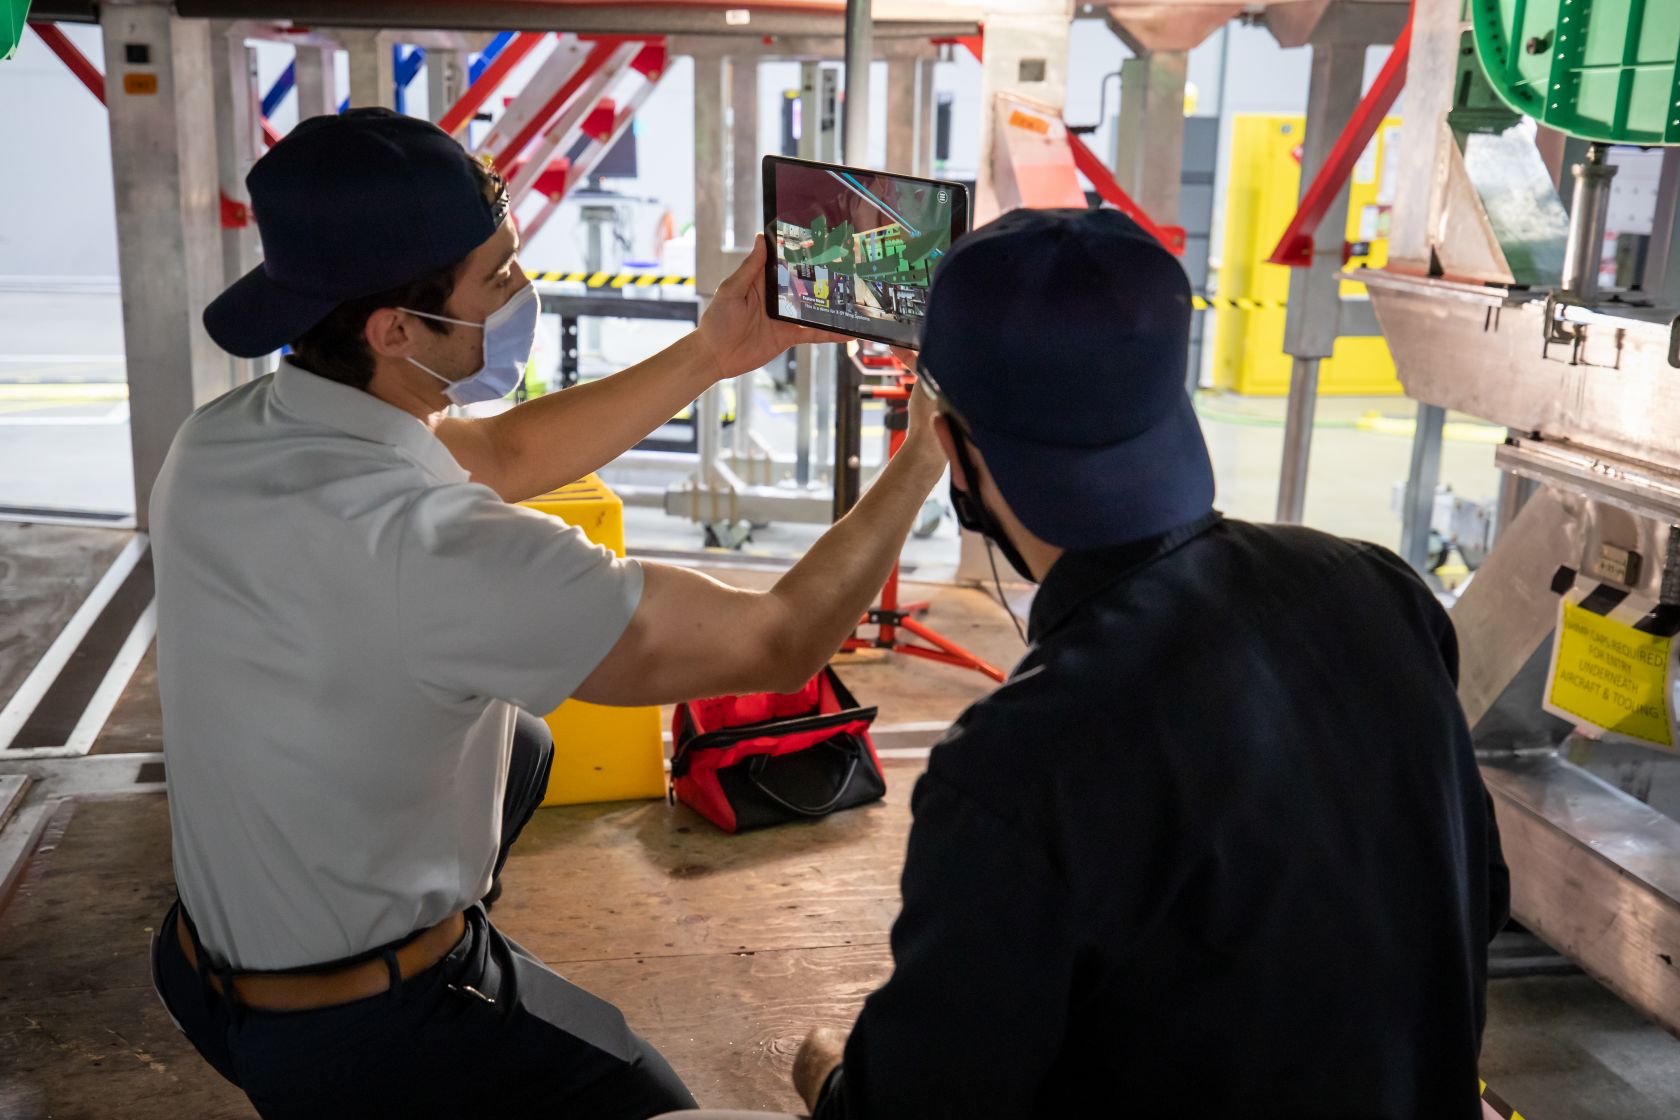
278,91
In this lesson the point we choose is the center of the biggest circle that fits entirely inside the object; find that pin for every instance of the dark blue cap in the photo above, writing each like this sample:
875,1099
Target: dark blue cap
349,206
1060,339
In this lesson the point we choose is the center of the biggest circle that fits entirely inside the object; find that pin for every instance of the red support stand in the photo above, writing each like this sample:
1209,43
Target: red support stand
488,82
891,616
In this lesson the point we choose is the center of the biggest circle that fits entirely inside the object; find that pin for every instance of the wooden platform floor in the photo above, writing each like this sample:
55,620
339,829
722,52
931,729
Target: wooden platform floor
721,950
45,573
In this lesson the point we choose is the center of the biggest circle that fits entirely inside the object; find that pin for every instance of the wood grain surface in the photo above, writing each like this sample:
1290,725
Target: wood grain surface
721,950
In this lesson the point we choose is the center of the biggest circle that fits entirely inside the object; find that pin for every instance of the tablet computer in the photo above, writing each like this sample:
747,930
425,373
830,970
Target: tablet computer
854,250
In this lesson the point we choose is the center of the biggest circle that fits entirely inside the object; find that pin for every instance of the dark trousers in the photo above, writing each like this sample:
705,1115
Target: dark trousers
488,1031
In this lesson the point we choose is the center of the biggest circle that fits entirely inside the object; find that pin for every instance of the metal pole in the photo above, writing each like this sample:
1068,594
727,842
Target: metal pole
1297,439
860,53
446,81
1309,333
848,406
161,103
1421,483
1583,255
901,108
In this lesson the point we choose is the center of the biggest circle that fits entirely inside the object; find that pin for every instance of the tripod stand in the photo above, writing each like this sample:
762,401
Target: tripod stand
894,620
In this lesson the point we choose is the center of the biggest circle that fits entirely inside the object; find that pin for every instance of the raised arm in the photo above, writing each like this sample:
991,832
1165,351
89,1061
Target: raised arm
556,439
692,636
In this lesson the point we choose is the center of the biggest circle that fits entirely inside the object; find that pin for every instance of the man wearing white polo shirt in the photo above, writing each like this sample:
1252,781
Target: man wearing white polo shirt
354,622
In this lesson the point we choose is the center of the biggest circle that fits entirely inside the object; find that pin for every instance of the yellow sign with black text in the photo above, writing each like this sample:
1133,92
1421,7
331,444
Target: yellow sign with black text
1608,675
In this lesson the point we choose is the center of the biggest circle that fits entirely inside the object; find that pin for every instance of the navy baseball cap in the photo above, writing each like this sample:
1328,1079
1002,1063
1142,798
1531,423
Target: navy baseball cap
1060,339
349,206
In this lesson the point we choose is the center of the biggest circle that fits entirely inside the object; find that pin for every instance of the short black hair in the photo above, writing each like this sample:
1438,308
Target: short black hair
336,348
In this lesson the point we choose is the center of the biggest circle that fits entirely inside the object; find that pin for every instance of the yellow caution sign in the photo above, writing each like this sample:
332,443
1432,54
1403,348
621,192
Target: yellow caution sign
1609,675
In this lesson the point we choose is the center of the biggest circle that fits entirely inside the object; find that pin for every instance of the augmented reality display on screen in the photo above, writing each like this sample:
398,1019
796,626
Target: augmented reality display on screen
855,251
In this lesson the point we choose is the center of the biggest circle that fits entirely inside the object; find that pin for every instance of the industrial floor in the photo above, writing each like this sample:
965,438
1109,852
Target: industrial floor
722,950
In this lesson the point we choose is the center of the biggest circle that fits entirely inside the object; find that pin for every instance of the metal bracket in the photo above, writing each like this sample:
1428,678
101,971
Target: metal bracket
1573,333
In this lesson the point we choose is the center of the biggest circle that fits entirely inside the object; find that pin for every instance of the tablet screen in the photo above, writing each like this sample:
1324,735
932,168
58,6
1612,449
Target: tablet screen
855,250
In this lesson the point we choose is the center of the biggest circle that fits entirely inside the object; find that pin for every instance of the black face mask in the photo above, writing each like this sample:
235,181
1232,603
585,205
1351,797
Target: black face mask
972,513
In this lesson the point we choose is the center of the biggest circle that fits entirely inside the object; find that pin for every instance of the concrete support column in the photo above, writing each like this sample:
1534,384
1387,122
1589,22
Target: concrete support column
1149,137
161,101
373,79
317,81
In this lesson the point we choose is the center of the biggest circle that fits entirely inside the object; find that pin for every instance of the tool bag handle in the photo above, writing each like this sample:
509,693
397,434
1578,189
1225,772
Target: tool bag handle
755,772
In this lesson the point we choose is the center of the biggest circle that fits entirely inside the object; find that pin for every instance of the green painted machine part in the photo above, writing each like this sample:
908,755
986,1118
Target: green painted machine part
13,15
1597,69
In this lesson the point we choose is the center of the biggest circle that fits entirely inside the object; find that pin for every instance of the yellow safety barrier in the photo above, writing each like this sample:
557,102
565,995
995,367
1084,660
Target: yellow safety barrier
614,279
600,753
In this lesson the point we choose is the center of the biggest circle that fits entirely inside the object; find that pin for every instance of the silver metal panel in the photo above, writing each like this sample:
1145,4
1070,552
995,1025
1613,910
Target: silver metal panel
1430,70
1521,204
1460,235
1662,269
1637,487
1594,873
1424,475
163,163
1509,608
1481,350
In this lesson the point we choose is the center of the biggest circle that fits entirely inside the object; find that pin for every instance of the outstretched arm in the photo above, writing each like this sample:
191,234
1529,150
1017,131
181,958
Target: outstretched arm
556,439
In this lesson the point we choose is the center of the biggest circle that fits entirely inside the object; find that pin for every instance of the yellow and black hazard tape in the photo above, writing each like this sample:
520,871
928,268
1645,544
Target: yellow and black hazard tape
1203,303
1497,1103
614,279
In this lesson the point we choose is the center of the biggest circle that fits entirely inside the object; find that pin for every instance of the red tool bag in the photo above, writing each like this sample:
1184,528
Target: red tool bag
749,761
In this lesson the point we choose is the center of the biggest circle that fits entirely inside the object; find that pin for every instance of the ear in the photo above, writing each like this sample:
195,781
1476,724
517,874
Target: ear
388,332
948,444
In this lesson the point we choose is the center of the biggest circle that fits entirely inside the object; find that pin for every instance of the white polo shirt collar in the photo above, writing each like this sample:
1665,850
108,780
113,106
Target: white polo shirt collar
358,413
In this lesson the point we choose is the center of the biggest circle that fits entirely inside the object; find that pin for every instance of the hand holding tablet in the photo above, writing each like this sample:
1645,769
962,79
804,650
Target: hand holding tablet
854,250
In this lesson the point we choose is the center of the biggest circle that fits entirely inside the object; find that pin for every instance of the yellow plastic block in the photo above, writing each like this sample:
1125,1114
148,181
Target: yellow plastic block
1264,191
600,753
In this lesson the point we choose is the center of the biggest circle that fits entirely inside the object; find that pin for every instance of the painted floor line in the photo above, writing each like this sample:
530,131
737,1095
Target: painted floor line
23,702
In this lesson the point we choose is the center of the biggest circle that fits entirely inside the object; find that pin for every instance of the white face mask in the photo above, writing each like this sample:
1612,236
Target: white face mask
509,334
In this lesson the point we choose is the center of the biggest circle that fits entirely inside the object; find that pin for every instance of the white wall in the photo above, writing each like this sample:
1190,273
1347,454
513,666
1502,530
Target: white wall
56,211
